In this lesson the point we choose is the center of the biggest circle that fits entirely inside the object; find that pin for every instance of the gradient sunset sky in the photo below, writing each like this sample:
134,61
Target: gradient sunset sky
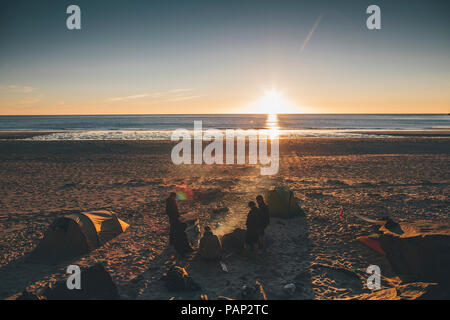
144,57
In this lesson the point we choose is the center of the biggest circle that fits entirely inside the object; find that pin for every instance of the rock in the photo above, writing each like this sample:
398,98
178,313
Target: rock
255,292
220,210
234,242
177,279
96,283
289,289
420,251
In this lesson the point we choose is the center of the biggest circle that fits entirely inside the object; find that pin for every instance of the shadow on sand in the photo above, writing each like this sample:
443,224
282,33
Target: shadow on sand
286,261
20,274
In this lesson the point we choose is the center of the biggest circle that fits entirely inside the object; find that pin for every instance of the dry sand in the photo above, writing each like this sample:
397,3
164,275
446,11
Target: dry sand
407,179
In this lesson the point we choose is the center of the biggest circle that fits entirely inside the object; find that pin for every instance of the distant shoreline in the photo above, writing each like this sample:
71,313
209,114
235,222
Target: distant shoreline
429,133
216,114
409,133
11,135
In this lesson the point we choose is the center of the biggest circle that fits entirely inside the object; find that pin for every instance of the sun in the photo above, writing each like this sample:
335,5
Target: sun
273,101
273,96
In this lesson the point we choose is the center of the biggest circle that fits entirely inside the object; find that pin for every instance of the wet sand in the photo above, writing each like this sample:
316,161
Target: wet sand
405,178
408,133
10,135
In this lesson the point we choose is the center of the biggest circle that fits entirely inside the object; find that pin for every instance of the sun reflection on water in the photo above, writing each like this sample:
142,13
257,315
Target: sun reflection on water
272,125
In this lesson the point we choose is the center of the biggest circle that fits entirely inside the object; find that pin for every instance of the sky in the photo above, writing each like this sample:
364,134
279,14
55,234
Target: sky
175,57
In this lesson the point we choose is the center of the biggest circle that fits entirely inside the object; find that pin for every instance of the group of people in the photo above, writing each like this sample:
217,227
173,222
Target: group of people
210,247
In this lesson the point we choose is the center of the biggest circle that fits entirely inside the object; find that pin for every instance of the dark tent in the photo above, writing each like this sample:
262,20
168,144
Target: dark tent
76,234
282,202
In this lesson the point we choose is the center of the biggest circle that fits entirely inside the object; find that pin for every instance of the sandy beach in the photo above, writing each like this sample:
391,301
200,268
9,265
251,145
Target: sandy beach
406,178
283,151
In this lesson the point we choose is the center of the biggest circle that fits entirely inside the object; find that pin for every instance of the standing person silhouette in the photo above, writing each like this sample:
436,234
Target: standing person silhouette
264,218
177,232
173,214
253,226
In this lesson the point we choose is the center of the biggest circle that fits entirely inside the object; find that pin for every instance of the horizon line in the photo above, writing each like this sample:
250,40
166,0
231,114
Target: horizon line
203,114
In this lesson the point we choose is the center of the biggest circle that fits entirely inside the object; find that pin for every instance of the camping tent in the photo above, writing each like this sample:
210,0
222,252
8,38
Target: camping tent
416,250
281,202
76,234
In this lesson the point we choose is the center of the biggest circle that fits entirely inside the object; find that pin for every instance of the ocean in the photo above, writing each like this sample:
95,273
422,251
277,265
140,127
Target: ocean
157,127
